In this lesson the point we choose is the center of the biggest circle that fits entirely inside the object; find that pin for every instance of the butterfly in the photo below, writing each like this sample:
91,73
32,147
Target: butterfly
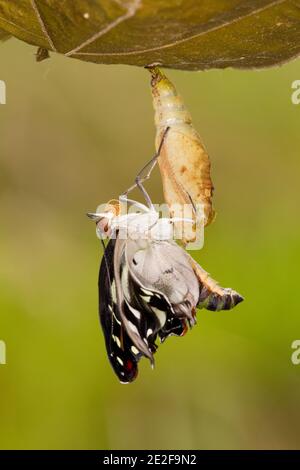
149,287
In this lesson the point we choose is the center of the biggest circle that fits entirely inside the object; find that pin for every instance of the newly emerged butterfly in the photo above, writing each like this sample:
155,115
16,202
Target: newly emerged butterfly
149,287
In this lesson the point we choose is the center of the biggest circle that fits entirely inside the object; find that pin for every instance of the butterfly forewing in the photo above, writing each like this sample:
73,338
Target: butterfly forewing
122,356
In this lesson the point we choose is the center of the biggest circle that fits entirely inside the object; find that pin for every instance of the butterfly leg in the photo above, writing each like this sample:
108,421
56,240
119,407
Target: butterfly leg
145,173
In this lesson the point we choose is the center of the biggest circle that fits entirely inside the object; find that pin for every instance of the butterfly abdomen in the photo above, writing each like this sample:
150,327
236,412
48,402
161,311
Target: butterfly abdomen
211,295
223,299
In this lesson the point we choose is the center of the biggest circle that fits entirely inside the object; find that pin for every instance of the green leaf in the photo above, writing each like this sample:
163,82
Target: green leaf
183,34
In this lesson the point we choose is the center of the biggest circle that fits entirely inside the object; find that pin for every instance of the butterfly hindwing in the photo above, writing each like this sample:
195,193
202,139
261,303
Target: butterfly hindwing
162,267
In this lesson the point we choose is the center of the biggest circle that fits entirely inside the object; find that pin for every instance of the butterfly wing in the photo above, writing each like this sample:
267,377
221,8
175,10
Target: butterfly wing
173,327
149,289
163,266
157,312
127,317
132,330
143,310
121,354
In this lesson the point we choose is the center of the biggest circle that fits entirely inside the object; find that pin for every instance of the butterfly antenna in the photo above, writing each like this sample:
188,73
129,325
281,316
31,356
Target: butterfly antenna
106,261
109,277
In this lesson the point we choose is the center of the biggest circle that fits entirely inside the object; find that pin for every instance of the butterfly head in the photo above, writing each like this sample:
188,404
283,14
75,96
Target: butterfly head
104,217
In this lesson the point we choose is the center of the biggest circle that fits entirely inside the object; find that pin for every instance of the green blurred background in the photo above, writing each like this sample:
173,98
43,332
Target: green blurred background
73,135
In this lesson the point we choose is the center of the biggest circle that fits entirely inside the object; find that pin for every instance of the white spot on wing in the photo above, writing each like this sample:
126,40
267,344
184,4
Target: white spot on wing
120,361
135,312
133,327
134,350
113,291
147,292
117,341
114,315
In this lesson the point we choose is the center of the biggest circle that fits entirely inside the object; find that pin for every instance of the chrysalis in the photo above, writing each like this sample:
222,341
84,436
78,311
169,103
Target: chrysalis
183,161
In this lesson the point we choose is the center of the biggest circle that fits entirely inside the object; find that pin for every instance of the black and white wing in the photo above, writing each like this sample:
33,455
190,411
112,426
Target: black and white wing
144,309
149,310
121,354
132,314
147,290
164,267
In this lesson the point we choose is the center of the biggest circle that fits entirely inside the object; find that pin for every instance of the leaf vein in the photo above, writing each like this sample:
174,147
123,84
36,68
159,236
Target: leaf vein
131,10
42,25
19,27
180,41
